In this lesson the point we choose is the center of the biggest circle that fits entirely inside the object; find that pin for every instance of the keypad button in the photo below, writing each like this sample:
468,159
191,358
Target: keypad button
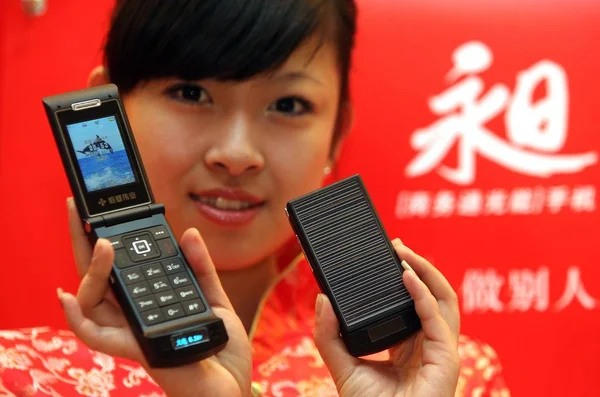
132,276
159,232
139,290
153,271
160,284
166,298
153,316
141,247
122,259
194,307
166,246
146,303
180,279
186,293
173,311
172,266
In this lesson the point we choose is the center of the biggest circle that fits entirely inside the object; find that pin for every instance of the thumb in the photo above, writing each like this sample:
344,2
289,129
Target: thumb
340,363
197,255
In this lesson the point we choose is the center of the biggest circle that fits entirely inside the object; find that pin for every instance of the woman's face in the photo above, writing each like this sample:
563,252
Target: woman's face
225,157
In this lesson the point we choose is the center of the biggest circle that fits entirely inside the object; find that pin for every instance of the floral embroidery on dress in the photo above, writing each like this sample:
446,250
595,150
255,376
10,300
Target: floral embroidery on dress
135,376
94,383
46,362
13,359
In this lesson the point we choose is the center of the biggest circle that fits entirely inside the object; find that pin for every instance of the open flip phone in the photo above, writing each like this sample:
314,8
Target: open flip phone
355,265
151,278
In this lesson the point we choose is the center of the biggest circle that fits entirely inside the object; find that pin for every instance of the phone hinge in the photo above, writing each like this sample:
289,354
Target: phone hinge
144,211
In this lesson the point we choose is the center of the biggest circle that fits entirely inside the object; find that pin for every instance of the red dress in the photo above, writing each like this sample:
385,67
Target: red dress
46,362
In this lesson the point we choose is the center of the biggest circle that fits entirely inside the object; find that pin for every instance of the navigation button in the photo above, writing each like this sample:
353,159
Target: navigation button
166,246
159,232
115,241
122,259
141,247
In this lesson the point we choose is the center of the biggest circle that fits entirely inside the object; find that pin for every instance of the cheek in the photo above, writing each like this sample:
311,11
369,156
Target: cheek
298,161
167,152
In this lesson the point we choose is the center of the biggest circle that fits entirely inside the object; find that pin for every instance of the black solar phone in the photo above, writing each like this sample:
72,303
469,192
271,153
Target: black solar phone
355,265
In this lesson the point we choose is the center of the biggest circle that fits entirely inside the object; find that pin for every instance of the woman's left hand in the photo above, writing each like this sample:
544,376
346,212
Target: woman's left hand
425,365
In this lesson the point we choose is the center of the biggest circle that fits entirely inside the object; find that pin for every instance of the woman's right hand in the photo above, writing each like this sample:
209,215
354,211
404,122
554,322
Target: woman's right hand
97,319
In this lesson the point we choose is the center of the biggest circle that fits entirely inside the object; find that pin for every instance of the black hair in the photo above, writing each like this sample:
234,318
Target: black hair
221,39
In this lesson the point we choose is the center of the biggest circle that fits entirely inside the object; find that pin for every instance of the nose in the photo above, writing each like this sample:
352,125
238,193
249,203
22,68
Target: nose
235,150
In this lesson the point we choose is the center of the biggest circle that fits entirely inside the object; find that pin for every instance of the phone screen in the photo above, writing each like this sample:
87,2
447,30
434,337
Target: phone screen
101,151
101,154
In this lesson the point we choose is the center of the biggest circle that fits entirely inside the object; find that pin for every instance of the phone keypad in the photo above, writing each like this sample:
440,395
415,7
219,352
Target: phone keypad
140,289
153,271
173,266
174,311
132,276
186,293
153,317
146,303
158,282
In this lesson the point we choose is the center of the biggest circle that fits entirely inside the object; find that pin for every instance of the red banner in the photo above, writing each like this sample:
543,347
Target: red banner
477,137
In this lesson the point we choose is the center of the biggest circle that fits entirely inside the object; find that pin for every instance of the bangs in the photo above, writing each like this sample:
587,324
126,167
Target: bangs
220,39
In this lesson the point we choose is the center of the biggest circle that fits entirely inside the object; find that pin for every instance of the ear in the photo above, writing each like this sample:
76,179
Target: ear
344,125
98,76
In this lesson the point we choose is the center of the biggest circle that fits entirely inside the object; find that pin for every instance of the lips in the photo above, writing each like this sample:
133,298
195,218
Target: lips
228,207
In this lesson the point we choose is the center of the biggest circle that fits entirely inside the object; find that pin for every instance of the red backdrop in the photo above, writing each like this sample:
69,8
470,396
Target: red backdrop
476,135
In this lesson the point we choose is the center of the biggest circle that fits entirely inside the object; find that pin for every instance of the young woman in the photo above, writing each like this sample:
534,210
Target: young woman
238,107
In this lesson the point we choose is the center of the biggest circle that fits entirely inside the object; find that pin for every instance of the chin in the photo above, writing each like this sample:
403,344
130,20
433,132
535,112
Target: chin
233,258
232,255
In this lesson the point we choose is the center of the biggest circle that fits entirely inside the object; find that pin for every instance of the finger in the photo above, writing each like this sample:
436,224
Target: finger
437,284
329,343
432,277
397,240
434,326
197,255
109,340
92,288
79,241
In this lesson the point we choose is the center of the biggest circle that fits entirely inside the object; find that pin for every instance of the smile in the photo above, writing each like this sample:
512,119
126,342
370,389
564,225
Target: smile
226,208
225,204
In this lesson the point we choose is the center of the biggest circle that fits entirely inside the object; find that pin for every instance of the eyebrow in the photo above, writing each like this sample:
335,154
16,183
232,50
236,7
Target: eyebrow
295,76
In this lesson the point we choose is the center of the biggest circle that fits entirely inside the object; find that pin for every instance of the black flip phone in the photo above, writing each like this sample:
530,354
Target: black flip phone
151,278
355,265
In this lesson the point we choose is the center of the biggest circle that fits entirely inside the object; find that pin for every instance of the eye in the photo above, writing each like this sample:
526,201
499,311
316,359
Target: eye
291,106
189,93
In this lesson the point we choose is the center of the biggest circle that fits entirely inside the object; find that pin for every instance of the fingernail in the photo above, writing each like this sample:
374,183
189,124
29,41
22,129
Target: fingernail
319,305
396,241
406,266
59,293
